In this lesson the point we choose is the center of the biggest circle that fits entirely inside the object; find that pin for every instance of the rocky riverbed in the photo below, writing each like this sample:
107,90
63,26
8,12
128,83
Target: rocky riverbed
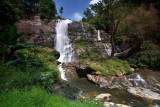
139,89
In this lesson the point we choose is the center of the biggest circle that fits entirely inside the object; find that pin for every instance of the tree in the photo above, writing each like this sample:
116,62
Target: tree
9,42
47,9
107,15
9,12
114,11
61,10
88,14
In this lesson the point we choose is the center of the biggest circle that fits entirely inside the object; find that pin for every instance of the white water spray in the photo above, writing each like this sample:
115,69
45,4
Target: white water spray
99,36
108,50
63,45
139,81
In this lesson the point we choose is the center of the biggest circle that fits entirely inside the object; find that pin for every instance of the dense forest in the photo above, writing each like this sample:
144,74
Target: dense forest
28,71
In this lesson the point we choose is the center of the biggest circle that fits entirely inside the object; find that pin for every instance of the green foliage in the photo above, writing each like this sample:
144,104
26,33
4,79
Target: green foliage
88,14
90,29
36,67
9,12
61,10
147,45
147,59
111,67
82,54
38,97
9,42
93,55
118,40
47,9
58,17
81,42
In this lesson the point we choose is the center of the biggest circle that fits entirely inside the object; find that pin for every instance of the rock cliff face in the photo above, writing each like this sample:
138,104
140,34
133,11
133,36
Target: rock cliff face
84,41
37,32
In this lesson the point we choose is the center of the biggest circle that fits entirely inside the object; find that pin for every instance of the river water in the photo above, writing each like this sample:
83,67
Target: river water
90,90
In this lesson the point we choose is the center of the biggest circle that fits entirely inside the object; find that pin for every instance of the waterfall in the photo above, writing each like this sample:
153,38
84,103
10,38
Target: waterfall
99,36
108,50
63,45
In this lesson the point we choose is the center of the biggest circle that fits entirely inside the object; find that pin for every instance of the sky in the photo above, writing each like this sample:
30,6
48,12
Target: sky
73,9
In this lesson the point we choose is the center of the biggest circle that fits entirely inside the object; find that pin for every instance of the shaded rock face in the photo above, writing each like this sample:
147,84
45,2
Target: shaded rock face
77,32
37,32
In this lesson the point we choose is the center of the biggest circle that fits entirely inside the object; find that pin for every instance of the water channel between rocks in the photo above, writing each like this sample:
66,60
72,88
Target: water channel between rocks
90,90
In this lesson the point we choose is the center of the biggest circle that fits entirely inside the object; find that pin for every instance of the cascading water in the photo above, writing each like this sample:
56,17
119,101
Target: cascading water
139,81
99,36
108,50
63,45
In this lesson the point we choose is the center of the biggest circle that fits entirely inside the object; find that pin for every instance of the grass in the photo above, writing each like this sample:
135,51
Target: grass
38,97
110,67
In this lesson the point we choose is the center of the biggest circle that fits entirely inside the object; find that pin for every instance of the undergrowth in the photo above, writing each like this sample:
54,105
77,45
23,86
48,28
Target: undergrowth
36,67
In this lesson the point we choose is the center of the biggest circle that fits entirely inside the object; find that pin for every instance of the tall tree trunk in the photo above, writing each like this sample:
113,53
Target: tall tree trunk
113,32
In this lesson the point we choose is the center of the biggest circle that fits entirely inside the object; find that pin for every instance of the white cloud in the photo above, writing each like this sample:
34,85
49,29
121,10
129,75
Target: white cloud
94,1
77,16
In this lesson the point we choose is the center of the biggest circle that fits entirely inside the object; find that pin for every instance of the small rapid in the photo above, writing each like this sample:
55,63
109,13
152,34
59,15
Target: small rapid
107,49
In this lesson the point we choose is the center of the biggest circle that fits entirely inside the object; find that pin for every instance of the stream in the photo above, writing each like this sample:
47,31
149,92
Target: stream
119,96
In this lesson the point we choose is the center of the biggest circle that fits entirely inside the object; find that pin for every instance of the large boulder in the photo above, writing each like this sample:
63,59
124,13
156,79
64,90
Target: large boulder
110,81
144,93
103,97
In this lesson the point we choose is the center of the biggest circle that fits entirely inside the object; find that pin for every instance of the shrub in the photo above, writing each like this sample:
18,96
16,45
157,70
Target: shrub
90,29
118,40
147,59
25,73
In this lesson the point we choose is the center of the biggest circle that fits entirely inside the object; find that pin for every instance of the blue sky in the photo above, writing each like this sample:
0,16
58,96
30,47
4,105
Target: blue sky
73,9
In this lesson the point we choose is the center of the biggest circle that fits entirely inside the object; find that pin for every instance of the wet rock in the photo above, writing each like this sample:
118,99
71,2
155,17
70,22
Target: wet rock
110,81
111,104
103,97
59,85
69,92
71,73
144,93
101,80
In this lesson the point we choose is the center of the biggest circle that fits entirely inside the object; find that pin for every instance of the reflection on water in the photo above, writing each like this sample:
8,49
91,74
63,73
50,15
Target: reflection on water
90,90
